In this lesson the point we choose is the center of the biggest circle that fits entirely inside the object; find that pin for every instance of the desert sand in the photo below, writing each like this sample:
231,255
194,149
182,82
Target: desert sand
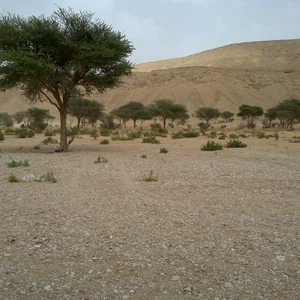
215,225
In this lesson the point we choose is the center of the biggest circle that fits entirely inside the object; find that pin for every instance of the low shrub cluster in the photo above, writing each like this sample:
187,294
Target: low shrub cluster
212,146
235,144
24,133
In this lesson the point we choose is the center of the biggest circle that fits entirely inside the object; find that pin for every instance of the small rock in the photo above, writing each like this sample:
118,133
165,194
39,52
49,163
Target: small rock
22,293
280,258
228,285
108,270
188,289
48,288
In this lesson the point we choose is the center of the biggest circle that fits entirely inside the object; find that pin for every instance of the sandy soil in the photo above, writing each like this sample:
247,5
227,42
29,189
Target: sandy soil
216,225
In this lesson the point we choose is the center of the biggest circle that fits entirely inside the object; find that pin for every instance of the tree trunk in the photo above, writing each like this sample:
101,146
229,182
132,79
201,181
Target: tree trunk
63,130
165,119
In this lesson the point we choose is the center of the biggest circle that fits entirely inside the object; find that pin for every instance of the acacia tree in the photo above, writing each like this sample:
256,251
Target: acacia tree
85,109
65,55
250,114
227,115
38,118
207,113
167,109
6,119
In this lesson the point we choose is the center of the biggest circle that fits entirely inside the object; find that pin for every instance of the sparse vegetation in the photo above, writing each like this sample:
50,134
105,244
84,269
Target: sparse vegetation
105,132
36,147
94,134
16,164
177,135
233,136
144,156
235,144
101,159
49,140
150,177
212,146
163,150
2,136
151,140
12,178
49,177
104,142
24,132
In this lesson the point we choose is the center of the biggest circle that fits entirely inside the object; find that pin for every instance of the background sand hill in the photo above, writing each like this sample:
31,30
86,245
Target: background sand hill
256,73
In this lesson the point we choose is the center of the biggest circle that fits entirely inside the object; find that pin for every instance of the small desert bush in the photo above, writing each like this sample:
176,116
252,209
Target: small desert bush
163,150
233,136
222,136
191,134
9,131
101,159
156,127
144,156
212,146
104,142
242,135
15,164
2,136
235,144
151,140
50,132
177,135
49,140
212,134
118,137
149,177
36,147
24,132
49,177
105,132
12,178
135,134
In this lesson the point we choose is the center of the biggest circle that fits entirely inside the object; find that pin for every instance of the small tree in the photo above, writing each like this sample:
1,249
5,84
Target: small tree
59,57
250,114
84,108
270,115
207,113
287,112
6,120
38,118
227,115
20,116
166,109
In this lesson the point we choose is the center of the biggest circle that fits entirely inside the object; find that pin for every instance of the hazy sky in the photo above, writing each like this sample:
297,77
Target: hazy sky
161,29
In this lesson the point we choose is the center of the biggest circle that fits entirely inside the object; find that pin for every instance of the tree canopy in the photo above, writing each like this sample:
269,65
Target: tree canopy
250,114
64,55
208,113
227,115
167,109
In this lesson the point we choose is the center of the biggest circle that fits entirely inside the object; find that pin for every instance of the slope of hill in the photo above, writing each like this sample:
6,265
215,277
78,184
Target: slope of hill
270,55
258,73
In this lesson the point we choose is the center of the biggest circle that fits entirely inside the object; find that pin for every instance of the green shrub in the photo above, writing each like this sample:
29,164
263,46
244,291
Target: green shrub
50,132
105,132
242,135
233,136
9,131
100,159
177,135
121,138
149,177
12,178
151,140
49,177
191,134
212,146
135,134
15,164
36,147
222,136
104,142
49,140
144,156
2,138
163,150
85,130
276,135
235,144
212,135
24,132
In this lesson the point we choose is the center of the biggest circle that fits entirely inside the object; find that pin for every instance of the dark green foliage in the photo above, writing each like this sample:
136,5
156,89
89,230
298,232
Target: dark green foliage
151,140
135,134
242,135
9,131
36,147
150,177
104,142
2,138
50,132
20,116
49,177
144,156
212,146
107,121
158,129
6,119
38,118
191,134
207,113
49,140
213,135
163,150
24,132
222,136
250,114
227,115
166,109
94,134
235,144
100,160
54,58
178,135
105,131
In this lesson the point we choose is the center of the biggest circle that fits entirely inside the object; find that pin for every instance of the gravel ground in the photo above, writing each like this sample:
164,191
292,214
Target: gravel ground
215,225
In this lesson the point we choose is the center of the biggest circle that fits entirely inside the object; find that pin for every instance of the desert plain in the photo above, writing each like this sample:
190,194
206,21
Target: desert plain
215,225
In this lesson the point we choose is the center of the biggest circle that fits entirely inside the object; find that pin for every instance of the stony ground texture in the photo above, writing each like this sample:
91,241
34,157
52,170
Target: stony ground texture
216,225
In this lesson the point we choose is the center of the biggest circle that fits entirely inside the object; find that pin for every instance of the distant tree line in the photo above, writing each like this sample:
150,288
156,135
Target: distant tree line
89,112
